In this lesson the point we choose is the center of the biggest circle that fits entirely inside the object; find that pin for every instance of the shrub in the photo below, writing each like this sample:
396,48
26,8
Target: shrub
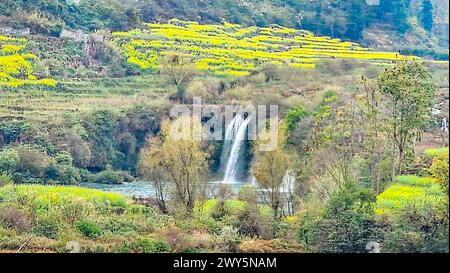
440,170
418,230
32,160
152,245
13,218
8,160
294,116
248,221
47,225
64,158
270,246
62,174
220,210
109,177
88,228
228,239
5,179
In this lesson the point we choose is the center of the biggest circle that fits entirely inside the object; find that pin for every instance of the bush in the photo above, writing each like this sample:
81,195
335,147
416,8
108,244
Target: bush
417,230
152,245
8,160
13,218
64,158
293,117
228,239
220,210
248,221
109,177
272,246
48,226
32,160
348,223
440,170
62,174
5,179
88,228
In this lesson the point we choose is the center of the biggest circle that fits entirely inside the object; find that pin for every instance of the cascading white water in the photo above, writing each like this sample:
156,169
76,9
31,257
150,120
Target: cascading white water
288,185
444,125
234,138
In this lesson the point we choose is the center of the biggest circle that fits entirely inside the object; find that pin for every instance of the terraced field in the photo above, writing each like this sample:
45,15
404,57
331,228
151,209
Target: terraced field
231,49
80,96
16,68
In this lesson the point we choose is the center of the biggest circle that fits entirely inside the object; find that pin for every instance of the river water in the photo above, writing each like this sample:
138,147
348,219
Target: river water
145,189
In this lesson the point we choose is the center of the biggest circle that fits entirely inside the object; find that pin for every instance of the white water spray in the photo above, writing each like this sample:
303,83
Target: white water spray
234,138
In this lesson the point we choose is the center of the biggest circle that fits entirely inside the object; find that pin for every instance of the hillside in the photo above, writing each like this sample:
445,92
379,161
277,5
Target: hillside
400,21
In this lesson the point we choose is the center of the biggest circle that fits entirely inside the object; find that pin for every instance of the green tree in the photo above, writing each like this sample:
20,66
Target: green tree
408,92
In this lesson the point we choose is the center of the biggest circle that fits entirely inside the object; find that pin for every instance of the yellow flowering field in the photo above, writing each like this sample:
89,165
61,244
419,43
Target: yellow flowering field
45,197
16,67
409,190
231,49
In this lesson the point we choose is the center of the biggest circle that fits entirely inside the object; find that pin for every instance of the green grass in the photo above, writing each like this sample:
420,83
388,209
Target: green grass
413,180
234,206
433,152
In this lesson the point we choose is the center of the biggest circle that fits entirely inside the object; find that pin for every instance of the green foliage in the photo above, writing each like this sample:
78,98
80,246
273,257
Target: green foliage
220,210
88,228
32,161
409,93
9,159
416,230
151,245
47,225
348,223
440,170
61,174
294,116
109,176
5,179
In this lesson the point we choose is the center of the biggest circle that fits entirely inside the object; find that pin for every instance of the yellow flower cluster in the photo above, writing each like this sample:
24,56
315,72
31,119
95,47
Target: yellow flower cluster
16,65
231,49
409,190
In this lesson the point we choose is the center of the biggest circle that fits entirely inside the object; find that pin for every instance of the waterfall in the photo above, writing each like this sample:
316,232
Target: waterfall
234,139
288,185
444,125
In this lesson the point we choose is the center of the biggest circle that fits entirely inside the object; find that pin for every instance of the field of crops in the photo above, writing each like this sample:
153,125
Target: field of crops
412,189
16,68
231,49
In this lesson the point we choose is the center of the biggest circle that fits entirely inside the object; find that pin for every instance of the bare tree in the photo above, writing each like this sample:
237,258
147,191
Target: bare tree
180,70
176,163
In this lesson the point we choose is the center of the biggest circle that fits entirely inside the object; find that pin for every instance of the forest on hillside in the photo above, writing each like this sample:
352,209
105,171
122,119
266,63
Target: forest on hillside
352,159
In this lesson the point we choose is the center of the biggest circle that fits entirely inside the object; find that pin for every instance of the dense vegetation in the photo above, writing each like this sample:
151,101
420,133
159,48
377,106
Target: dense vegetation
362,131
